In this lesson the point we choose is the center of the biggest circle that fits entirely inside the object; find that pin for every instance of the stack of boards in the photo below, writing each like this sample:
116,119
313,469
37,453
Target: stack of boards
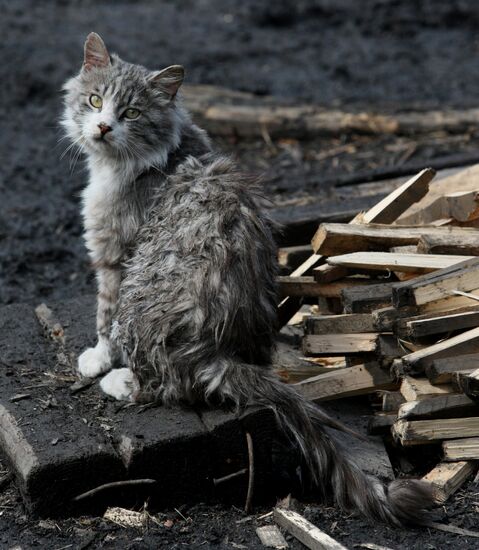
396,314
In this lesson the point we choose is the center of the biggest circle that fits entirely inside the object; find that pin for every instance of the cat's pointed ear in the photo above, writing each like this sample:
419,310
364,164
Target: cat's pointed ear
96,54
168,80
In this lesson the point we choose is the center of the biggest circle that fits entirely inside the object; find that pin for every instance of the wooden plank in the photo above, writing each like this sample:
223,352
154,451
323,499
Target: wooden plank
439,244
387,261
385,318
381,423
339,324
339,238
439,406
391,401
440,284
447,477
397,202
441,371
358,380
461,449
271,537
464,343
329,273
421,432
340,344
367,299
416,389
292,256
438,323
307,533
307,286
469,383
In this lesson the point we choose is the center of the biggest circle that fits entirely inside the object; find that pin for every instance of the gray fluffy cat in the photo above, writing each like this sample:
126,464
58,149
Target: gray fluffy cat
186,265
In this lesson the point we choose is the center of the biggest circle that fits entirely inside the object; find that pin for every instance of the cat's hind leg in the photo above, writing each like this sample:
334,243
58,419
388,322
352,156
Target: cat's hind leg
120,384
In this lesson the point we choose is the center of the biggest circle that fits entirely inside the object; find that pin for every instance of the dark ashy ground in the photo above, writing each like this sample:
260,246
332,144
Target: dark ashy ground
394,54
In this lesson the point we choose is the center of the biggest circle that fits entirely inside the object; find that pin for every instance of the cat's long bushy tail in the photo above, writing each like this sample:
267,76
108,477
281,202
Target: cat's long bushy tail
400,502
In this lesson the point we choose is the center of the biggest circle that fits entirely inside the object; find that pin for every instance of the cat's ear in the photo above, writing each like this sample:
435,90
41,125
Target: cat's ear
95,53
168,80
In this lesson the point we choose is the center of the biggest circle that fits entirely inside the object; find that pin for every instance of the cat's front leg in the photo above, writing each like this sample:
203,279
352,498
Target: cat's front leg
98,360
120,384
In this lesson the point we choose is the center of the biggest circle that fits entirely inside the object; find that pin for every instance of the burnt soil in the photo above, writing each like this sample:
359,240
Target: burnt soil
377,54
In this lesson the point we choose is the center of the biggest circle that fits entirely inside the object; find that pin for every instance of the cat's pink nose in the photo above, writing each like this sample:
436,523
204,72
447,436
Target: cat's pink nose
104,128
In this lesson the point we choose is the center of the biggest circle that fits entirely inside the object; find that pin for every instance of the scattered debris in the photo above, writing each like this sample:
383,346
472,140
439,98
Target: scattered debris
271,537
125,518
304,531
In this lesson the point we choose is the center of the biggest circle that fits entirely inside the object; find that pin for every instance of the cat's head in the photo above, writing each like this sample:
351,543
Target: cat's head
120,110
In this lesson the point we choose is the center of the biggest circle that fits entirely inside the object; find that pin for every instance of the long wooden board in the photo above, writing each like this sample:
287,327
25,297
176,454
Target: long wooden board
461,449
421,432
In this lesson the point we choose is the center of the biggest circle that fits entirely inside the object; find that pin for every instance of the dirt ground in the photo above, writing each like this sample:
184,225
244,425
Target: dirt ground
355,54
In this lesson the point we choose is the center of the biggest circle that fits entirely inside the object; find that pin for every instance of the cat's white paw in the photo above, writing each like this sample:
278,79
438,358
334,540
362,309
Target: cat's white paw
95,361
119,383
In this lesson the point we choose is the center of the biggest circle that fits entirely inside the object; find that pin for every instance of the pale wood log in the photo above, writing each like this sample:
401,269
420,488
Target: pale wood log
464,343
397,202
307,286
439,244
307,533
341,238
358,380
387,261
439,406
461,449
437,323
441,371
446,305
416,389
339,324
440,284
340,344
421,432
446,478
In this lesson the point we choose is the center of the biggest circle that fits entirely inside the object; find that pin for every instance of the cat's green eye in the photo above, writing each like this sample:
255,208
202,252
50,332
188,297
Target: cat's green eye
132,113
96,101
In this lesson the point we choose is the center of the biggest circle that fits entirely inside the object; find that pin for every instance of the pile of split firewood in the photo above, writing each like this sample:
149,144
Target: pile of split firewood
393,309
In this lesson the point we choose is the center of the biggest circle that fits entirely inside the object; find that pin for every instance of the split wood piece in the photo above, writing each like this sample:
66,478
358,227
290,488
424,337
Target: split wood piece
416,389
439,406
440,284
469,384
292,256
389,208
341,238
358,380
438,323
447,477
447,305
391,401
307,286
461,449
367,299
339,324
307,533
385,318
438,244
464,343
381,423
397,202
387,261
329,273
290,305
441,371
406,249
340,344
271,537
421,432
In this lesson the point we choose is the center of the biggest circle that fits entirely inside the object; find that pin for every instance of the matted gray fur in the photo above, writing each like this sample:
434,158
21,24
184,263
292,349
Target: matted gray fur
186,266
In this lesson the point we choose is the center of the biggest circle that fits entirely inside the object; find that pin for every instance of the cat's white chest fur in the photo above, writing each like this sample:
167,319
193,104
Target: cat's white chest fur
100,200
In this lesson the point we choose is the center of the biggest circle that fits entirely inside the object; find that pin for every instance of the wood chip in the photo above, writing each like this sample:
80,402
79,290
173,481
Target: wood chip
271,537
